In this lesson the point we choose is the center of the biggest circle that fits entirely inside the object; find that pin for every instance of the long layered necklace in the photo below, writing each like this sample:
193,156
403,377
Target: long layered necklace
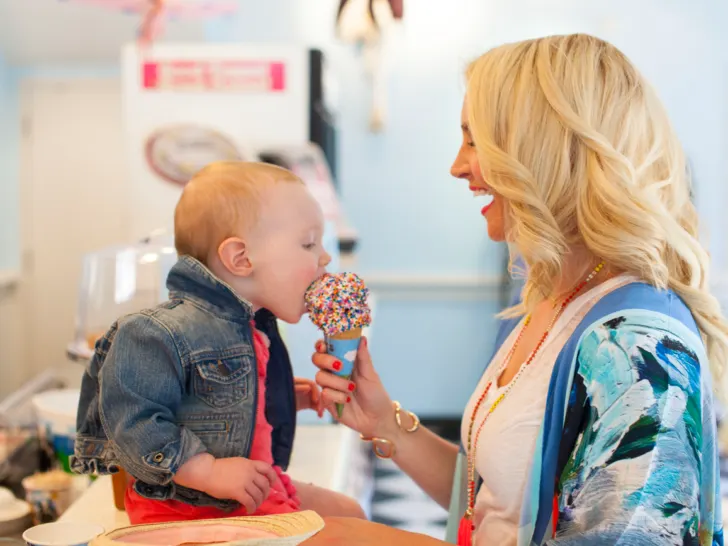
465,531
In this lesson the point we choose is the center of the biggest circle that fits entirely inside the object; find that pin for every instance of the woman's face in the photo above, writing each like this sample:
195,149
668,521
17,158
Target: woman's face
466,167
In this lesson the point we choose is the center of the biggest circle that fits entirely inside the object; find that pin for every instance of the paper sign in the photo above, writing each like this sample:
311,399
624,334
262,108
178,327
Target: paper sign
226,76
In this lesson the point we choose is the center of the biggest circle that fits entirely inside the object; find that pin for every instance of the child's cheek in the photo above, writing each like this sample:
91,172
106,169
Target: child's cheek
305,274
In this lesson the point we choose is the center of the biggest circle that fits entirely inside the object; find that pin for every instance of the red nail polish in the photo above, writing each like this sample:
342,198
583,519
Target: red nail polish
337,366
352,387
348,399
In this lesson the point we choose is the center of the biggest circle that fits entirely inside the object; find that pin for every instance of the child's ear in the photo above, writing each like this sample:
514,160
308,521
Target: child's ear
233,253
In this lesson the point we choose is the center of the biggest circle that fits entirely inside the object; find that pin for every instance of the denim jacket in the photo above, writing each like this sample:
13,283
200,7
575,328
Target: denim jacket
171,382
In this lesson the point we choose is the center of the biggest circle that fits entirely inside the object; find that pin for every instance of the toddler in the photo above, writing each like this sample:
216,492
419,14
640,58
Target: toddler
195,399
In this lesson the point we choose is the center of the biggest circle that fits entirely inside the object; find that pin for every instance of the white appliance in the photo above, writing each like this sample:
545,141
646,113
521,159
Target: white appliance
186,105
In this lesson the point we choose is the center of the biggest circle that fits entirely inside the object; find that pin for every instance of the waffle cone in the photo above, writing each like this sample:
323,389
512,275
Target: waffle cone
354,333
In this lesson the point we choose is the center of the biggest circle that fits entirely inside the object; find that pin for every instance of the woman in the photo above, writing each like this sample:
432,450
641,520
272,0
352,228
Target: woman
594,421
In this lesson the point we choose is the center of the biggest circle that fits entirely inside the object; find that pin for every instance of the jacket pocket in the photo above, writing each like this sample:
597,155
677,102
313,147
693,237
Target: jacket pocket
205,427
224,382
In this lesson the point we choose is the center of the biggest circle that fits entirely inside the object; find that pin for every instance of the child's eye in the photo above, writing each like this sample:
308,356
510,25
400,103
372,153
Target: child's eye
309,246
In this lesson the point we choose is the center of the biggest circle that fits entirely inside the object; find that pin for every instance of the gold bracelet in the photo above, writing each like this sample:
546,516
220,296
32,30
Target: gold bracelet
378,449
398,417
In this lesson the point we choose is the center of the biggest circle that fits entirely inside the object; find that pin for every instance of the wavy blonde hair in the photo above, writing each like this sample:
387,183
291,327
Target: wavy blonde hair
576,141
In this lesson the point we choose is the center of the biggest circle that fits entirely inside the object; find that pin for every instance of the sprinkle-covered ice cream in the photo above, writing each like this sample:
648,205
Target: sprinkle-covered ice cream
337,303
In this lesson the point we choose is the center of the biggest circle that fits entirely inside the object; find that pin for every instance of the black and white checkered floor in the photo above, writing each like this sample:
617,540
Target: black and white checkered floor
400,503
724,481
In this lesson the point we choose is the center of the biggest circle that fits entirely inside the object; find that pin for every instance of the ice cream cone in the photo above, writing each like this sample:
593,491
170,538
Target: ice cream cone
344,347
337,304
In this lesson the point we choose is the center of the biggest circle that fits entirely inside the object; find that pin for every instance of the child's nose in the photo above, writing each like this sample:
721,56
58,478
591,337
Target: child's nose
325,259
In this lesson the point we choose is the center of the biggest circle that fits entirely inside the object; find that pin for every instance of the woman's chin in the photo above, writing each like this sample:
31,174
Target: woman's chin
496,233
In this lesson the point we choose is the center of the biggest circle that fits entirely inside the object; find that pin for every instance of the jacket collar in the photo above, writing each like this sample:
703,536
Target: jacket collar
190,279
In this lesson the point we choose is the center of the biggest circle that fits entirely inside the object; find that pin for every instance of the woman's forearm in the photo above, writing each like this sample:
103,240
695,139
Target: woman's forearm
426,457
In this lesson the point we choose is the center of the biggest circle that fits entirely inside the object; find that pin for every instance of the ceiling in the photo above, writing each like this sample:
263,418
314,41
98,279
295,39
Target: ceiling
37,32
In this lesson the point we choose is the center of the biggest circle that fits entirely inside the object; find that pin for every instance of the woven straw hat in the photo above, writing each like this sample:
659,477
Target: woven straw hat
287,530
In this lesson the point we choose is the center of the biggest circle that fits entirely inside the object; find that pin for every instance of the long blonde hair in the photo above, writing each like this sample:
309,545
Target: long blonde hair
576,141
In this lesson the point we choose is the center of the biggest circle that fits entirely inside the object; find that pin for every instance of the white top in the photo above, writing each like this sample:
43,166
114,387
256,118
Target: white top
508,438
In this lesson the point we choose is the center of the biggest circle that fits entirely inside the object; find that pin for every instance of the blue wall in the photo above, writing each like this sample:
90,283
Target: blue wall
9,169
399,177
412,217
403,173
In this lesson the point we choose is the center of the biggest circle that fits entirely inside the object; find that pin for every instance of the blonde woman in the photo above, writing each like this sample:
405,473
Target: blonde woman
593,423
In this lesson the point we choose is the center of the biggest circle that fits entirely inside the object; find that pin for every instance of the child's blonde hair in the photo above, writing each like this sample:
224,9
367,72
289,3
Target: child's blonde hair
221,201
572,136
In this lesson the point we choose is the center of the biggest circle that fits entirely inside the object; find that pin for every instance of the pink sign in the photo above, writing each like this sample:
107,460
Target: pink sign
172,8
227,76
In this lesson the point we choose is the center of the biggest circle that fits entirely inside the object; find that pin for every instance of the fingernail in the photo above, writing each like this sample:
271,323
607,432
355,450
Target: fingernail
352,387
348,399
337,366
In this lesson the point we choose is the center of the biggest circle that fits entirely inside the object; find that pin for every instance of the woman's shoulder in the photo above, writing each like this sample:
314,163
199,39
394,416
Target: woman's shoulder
633,328
643,339
637,305
638,347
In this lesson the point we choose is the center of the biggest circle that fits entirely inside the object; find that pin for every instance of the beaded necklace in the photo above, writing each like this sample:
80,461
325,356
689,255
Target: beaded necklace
465,531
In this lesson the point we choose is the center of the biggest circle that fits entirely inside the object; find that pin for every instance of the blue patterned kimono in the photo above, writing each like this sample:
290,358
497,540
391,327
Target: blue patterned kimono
627,449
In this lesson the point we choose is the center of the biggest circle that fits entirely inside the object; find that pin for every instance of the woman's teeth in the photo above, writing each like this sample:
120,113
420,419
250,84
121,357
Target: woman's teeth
483,193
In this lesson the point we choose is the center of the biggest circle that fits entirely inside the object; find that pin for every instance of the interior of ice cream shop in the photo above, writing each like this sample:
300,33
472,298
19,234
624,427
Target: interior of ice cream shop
362,272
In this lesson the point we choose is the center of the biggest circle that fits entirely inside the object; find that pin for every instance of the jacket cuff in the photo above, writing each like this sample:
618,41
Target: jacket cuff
164,463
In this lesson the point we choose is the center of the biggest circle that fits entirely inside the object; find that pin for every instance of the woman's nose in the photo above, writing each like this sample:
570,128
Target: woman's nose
460,168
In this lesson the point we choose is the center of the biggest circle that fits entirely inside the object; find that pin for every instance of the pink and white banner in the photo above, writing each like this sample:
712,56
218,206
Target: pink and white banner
226,75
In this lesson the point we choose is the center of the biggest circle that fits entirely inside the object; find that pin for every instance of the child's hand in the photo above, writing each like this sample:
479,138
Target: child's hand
243,480
308,396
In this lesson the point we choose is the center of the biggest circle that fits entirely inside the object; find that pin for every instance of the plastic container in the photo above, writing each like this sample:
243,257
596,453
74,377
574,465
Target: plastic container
49,493
116,281
56,414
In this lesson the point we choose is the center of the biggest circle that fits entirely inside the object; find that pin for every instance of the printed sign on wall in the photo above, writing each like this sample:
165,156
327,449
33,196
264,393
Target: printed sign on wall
228,76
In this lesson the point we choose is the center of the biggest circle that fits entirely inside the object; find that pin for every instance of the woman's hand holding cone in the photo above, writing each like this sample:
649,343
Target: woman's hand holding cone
369,409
